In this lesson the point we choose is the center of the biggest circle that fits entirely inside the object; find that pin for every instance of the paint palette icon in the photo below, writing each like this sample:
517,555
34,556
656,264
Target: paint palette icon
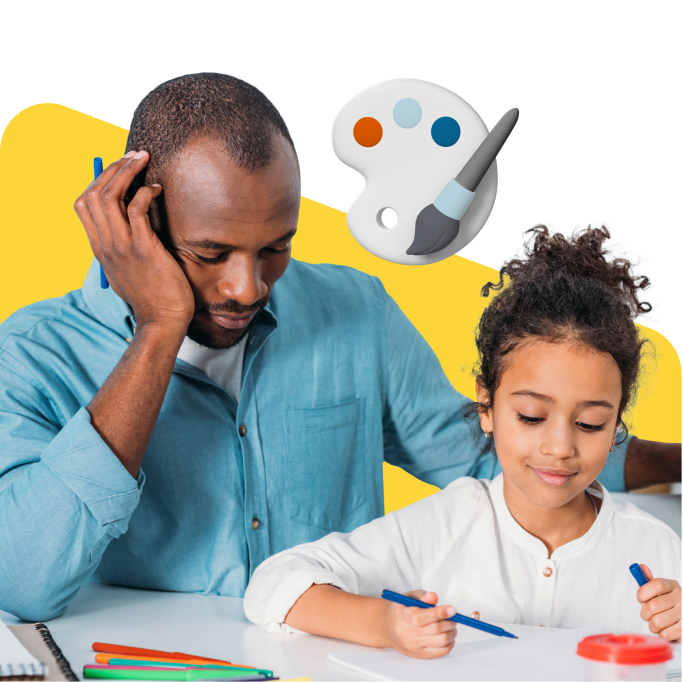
408,138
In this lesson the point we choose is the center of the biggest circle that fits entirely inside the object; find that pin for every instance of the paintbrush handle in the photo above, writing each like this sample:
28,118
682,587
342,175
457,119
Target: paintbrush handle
474,170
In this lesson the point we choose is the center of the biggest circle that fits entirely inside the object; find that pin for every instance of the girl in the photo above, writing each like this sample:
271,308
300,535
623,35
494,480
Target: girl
543,543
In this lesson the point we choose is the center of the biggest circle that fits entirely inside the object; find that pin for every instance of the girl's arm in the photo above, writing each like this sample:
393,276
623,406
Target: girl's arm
314,587
331,612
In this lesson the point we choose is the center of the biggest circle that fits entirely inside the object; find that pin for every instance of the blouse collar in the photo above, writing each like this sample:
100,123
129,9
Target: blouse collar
533,545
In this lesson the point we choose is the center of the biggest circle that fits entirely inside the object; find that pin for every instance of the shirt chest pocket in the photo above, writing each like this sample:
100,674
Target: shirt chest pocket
326,463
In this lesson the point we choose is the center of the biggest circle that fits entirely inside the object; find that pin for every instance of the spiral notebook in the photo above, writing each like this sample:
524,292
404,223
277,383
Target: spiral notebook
28,652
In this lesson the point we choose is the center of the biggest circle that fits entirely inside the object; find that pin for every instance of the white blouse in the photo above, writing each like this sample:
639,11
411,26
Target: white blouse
464,544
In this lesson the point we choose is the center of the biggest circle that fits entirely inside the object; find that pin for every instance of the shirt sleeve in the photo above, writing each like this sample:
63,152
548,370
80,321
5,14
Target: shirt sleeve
426,430
64,496
399,551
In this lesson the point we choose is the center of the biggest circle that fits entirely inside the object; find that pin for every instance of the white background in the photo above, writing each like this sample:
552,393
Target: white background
598,85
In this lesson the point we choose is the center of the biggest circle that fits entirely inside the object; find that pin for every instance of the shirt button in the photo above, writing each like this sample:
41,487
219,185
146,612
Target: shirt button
547,572
242,430
476,615
255,523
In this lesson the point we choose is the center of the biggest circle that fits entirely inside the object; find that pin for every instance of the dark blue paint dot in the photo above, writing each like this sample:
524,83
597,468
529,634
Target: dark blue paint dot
445,131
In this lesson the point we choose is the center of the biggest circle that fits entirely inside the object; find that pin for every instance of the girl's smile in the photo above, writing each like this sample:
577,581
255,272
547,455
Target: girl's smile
555,478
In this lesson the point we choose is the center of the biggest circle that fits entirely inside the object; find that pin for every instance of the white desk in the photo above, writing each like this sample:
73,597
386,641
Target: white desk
207,626
215,627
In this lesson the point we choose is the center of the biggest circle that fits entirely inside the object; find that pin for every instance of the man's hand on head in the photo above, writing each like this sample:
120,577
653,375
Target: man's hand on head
139,268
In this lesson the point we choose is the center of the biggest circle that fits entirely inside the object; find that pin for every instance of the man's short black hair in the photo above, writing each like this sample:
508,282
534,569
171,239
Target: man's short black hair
216,105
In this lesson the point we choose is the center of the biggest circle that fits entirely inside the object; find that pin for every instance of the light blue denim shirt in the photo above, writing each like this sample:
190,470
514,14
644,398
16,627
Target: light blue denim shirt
336,380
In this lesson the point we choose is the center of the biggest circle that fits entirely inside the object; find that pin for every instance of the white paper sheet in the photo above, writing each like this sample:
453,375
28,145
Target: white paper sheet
538,654
15,660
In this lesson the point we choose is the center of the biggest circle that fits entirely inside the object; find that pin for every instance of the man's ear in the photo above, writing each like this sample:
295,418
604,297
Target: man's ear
485,415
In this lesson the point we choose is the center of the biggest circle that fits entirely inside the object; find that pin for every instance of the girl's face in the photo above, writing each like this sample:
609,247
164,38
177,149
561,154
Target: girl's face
554,418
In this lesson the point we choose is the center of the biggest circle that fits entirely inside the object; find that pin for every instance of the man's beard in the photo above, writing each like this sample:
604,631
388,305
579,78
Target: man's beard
210,335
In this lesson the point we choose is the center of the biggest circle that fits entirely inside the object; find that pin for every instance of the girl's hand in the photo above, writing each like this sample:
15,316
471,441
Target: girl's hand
417,632
661,600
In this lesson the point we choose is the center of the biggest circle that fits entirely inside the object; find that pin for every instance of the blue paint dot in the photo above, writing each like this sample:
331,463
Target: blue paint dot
445,131
407,113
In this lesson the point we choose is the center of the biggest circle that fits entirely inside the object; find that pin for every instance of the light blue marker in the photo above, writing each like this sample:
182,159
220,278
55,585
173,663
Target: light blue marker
637,573
98,169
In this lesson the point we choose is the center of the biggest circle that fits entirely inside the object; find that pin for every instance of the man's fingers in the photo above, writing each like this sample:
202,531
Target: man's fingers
81,208
416,594
647,571
110,171
115,190
138,212
88,204
107,208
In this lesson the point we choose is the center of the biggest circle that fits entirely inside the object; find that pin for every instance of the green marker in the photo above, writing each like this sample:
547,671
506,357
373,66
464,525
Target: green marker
105,672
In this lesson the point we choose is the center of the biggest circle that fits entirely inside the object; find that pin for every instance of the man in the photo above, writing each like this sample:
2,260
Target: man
175,430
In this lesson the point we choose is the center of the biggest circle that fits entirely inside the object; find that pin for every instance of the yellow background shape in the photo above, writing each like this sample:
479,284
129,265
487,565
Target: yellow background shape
46,161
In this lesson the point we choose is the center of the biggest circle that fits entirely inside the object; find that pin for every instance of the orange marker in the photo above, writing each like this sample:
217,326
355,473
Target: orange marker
117,651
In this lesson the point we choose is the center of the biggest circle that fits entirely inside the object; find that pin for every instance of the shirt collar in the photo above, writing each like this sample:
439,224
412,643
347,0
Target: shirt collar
532,544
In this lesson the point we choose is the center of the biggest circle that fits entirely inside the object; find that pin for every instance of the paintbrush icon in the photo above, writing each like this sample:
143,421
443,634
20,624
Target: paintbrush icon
437,225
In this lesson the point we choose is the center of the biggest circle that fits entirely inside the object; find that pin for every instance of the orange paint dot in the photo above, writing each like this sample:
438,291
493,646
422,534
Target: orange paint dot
367,132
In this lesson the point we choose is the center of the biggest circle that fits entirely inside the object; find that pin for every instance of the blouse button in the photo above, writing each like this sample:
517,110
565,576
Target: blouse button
242,430
547,572
255,523
476,615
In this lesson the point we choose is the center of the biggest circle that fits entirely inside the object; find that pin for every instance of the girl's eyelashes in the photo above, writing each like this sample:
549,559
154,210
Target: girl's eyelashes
591,427
528,420
537,420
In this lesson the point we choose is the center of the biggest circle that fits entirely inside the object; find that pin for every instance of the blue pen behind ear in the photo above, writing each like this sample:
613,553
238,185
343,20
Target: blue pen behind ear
98,169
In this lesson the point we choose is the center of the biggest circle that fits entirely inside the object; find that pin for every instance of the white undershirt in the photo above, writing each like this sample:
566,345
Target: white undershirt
223,366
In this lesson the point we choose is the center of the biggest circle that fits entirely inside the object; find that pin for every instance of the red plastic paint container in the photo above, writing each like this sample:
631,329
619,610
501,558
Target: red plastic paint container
624,657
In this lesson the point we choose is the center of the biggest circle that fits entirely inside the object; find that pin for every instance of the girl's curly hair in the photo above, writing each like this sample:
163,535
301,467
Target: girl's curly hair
564,289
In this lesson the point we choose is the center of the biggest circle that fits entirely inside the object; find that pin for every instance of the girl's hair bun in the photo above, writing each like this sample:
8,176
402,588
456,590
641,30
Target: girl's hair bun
549,256
565,288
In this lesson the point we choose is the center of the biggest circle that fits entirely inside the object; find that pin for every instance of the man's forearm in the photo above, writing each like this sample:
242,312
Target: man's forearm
651,463
125,409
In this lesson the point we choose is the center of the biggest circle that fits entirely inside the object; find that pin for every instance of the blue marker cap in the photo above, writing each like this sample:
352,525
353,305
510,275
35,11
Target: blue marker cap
637,573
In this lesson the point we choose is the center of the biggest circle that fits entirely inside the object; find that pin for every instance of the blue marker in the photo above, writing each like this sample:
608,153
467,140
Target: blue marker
457,618
637,573
98,169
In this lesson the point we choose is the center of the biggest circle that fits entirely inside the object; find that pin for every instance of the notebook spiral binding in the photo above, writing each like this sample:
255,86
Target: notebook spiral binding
23,672
63,664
